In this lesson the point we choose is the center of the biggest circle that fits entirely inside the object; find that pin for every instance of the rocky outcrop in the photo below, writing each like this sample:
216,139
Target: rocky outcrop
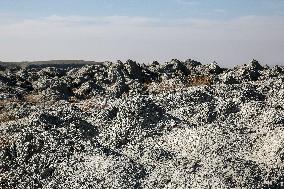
128,125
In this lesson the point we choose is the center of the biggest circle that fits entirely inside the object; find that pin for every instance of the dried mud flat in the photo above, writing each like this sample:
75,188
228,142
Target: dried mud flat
130,125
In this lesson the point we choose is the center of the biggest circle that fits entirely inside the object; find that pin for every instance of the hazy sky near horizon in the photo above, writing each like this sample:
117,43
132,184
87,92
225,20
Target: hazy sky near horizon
226,31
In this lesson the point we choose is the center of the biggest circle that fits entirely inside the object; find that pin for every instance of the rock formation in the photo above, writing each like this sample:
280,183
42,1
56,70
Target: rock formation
129,125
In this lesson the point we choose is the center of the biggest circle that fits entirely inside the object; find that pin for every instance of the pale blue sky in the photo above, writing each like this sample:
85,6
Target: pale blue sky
227,31
219,9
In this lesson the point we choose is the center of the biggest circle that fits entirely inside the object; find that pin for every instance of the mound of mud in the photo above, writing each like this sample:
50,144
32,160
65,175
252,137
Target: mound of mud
130,125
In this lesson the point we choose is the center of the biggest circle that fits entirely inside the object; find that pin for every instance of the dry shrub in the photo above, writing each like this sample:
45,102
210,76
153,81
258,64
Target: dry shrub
163,87
166,86
88,105
32,98
73,99
200,80
147,83
5,102
6,117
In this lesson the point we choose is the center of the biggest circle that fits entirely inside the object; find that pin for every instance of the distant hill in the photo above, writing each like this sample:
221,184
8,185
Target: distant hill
42,64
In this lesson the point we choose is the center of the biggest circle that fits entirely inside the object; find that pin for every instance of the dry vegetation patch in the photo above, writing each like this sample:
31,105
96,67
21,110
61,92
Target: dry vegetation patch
171,85
73,99
88,105
200,80
32,98
5,102
5,117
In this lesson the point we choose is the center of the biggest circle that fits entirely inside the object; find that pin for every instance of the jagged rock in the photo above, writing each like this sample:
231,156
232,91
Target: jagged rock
192,63
2,68
134,70
155,63
52,89
87,90
51,72
240,74
213,68
255,65
175,67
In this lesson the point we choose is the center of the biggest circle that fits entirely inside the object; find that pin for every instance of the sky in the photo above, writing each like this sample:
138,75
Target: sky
230,32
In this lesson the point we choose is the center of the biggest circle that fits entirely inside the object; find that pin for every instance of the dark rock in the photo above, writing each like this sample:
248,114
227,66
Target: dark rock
155,63
255,65
134,70
192,63
214,69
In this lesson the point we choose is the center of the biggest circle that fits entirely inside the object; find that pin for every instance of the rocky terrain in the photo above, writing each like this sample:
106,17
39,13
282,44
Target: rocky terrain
130,125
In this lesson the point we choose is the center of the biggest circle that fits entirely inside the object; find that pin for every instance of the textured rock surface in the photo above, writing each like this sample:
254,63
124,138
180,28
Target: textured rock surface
128,125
